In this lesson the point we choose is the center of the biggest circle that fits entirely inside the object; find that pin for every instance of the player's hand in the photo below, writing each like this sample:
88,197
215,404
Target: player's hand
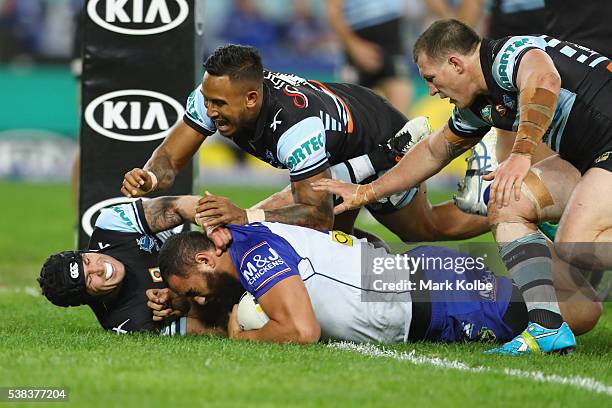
136,183
213,211
233,328
365,54
348,192
166,304
221,237
508,179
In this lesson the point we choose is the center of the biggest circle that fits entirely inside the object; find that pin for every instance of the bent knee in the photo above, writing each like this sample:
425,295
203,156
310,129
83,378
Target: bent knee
522,211
585,317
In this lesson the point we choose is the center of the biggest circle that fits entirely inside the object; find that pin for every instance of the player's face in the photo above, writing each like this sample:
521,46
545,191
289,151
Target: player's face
103,273
197,283
226,103
445,79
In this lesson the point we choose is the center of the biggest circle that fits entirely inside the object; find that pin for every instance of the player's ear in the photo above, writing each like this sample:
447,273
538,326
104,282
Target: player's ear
205,258
456,63
251,99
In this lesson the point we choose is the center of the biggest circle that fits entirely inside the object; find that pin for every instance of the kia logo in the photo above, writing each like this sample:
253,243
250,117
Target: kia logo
133,115
88,220
138,17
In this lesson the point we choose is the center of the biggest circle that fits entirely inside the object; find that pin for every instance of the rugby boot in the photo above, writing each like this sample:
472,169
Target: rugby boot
537,339
473,193
386,155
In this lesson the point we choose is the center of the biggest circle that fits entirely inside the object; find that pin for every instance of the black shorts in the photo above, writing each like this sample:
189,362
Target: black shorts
587,137
388,37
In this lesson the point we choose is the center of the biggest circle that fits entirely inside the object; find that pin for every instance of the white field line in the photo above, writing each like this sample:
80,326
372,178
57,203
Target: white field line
584,383
28,290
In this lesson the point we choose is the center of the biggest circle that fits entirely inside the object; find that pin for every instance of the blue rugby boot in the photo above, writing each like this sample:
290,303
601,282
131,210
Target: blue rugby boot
537,339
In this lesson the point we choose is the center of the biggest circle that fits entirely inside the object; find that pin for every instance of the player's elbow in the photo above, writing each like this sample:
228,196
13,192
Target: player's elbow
307,332
550,80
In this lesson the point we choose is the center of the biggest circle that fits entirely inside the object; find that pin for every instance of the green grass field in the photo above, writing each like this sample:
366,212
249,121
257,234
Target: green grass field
45,346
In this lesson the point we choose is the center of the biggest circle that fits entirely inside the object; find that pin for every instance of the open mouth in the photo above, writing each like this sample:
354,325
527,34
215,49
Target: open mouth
109,270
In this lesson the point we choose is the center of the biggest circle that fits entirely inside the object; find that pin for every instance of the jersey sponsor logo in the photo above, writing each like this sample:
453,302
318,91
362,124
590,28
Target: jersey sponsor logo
275,122
261,261
133,115
305,150
123,215
191,107
156,274
341,238
147,244
74,270
502,69
138,17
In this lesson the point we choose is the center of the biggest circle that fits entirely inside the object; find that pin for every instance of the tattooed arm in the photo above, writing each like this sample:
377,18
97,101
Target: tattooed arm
165,163
313,209
163,213
425,159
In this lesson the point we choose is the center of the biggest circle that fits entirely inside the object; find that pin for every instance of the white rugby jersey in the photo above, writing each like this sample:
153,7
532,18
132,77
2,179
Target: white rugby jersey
329,263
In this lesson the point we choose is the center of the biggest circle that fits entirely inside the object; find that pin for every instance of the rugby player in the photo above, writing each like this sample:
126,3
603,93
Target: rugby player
310,284
112,276
306,127
562,92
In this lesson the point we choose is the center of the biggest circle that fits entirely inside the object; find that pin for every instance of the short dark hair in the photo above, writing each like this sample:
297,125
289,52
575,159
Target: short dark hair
239,62
178,252
445,36
62,279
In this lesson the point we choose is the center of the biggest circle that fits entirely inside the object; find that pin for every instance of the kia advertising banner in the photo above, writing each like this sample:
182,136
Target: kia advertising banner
141,60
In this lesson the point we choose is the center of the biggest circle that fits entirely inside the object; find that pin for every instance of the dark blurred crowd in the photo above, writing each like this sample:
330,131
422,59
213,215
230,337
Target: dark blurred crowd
286,31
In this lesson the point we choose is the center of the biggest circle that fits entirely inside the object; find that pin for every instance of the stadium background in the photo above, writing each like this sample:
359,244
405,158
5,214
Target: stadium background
40,123
41,345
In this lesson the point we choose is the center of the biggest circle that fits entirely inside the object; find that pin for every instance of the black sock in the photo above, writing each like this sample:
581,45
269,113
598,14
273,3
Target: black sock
545,318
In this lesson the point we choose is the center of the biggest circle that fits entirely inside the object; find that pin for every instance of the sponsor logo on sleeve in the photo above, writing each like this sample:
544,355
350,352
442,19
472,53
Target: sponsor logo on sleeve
305,150
508,50
262,263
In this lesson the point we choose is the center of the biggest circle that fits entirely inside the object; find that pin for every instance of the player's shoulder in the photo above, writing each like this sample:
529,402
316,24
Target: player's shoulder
195,113
507,53
126,218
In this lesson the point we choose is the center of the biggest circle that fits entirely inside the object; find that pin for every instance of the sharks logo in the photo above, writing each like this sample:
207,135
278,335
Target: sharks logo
147,244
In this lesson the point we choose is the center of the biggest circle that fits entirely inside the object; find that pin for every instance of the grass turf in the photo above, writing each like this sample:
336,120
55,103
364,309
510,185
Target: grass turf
41,345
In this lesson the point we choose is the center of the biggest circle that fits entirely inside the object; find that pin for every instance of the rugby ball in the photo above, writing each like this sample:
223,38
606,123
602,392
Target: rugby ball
250,314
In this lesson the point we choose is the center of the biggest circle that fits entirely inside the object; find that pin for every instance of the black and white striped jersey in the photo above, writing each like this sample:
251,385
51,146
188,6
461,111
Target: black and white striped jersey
585,95
307,126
